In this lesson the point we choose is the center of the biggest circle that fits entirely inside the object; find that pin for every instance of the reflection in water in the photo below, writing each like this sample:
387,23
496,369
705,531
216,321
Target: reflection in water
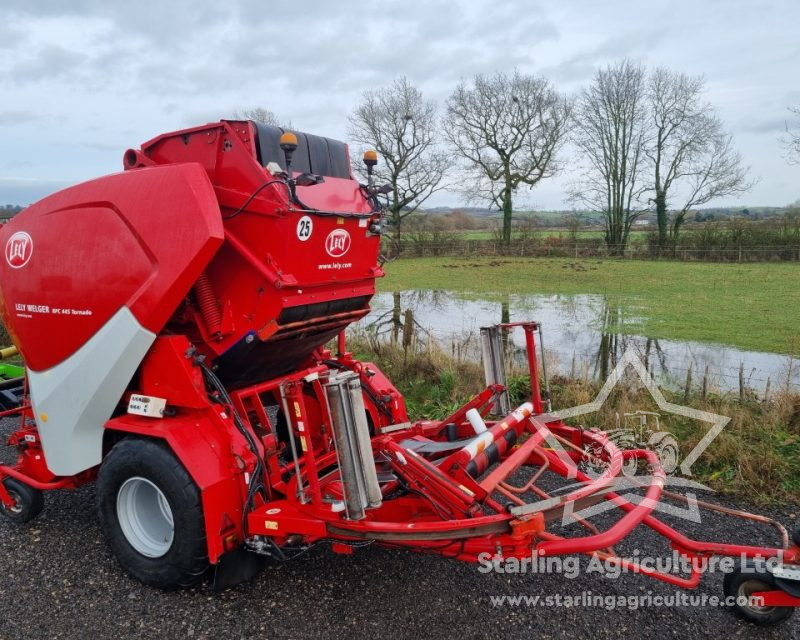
505,318
583,333
609,342
614,342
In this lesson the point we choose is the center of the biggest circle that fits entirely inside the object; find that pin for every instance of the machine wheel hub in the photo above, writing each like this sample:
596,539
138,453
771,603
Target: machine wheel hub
748,588
145,517
17,508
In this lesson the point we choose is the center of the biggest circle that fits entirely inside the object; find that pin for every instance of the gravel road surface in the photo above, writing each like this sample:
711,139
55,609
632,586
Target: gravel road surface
59,580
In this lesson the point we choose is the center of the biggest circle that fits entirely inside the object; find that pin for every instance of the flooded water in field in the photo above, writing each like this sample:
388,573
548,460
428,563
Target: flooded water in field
584,336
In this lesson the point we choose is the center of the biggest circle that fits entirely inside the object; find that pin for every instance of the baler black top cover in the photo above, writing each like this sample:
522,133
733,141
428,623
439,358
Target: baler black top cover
314,154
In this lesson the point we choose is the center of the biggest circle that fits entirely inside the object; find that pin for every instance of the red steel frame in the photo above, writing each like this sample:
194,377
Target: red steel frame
411,522
30,467
296,508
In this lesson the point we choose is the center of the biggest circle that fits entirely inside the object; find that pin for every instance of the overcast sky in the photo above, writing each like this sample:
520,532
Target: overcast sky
83,80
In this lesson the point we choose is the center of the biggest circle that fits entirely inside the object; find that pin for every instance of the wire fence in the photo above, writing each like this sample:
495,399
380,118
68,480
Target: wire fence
457,247
728,377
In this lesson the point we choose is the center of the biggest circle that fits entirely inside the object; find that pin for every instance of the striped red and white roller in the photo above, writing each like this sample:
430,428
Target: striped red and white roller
488,447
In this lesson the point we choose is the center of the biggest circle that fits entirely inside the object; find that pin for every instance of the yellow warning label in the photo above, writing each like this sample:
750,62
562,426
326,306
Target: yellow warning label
270,524
303,443
297,409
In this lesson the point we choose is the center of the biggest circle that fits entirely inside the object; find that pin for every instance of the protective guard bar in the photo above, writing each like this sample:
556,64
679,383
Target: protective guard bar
530,329
353,448
494,367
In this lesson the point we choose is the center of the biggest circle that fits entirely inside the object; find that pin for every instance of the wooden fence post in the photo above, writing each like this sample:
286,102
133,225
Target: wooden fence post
408,329
741,382
705,383
688,386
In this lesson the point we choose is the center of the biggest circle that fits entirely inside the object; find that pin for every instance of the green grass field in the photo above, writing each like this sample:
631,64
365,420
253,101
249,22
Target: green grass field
750,306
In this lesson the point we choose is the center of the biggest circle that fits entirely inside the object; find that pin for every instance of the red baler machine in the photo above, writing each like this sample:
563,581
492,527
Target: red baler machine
175,321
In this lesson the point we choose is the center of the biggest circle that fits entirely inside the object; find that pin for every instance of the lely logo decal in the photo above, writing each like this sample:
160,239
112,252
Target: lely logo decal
337,243
19,249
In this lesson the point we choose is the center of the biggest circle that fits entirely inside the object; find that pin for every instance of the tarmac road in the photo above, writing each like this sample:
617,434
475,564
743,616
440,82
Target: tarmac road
59,580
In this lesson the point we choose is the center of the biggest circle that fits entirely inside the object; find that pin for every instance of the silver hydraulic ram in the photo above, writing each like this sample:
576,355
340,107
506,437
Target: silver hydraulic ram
494,366
353,448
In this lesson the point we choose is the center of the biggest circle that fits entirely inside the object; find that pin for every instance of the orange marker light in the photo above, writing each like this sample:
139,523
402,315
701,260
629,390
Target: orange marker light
288,141
370,158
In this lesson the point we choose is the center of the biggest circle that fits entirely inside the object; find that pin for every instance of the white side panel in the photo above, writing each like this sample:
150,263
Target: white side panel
73,400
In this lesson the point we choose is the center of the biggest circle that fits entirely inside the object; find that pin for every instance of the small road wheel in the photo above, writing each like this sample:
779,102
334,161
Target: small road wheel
29,501
151,514
741,583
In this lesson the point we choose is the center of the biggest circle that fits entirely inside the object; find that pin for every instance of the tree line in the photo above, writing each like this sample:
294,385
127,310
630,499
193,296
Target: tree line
736,240
642,140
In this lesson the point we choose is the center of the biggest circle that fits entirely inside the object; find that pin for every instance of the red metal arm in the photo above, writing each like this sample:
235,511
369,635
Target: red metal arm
625,525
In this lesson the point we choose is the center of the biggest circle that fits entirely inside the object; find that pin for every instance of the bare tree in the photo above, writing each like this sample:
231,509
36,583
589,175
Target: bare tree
611,133
402,127
689,150
262,116
573,223
791,139
509,130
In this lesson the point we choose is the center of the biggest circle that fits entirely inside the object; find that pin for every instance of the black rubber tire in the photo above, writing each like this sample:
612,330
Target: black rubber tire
187,558
739,583
29,501
665,446
796,536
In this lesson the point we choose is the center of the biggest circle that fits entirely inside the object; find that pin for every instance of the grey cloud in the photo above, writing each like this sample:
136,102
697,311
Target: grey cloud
25,192
773,125
581,66
48,8
47,63
152,65
11,36
14,117
247,36
168,22
102,146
